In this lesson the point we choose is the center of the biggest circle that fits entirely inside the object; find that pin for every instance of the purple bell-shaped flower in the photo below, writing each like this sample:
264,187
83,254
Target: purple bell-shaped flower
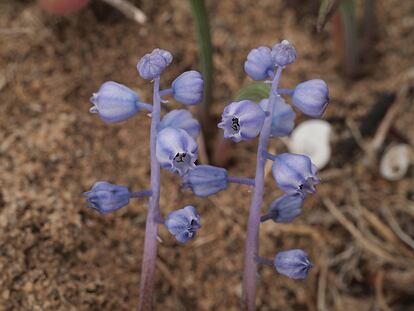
311,97
293,263
183,223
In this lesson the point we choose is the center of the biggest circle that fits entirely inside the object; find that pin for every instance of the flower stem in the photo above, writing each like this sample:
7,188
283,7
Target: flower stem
140,194
264,261
243,181
252,241
166,92
151,228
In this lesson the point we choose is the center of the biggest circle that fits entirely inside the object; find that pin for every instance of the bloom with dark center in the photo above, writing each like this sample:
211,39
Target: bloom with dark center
183,223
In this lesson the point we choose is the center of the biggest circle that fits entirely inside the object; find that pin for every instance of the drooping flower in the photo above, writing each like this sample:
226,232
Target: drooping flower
183,223
311,97
205,180
259,64
106,197
188,88
283,53
151,65
283,119
115,102
176,150
286,208
293,263
295,173
242,120
182,119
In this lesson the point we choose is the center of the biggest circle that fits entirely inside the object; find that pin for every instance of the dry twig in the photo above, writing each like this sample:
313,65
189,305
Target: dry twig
128,9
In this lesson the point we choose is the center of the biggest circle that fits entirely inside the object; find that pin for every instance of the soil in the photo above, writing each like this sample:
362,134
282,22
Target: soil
55,254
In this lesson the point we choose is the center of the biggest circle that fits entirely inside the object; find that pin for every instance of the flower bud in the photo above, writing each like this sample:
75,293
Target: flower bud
311,97
259,64
283,53
114,102
176,150
205,180
151,65
181,119
295,173
242,120
106,197
183,223
293,263
283,118
188,88
286,208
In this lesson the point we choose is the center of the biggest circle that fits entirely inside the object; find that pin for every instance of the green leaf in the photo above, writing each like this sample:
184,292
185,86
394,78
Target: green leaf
326,10
255,92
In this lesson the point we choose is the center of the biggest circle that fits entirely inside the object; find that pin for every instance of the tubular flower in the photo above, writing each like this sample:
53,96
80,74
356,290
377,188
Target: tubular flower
176,150
188,88
181,119
106,197
242,120
259,64
286,208
183,223
293,263
205,180
311,97
295,173
283,118
115,102
151,65
283,53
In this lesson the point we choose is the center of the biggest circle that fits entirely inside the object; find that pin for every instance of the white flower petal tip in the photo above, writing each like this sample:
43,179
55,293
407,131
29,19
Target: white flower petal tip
312,138
396,161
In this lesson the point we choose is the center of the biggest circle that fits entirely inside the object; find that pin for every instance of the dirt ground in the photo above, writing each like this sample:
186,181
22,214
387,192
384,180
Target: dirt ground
55,254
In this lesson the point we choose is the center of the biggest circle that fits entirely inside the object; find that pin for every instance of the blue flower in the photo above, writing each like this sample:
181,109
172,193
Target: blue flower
115,102
283,53
242,120
151,65
205,180
311,97
259,64
181,119
183,223
106,197
295,173
188,88
283,119
293,263
176,150
286,208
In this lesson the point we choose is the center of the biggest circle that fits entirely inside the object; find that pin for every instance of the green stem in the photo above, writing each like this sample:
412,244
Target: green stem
347,9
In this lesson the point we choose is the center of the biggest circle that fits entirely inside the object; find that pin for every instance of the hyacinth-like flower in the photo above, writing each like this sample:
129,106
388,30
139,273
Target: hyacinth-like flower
295,173
286,208
106,197
183,223
293,263
242,120
283,118
311,97
176,150
205,180
115,102
259,64
151,65
188,88
181,119
283,53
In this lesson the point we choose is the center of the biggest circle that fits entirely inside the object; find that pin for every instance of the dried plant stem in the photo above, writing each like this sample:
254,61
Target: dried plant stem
252,241
151,228
128,9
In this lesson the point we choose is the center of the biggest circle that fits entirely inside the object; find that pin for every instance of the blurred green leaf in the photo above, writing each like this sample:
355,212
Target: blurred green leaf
326,10
255,92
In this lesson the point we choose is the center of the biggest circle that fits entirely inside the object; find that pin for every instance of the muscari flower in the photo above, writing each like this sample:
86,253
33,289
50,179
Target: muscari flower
293,263
182,119
115,102
188,88
295,173
106,197
283,118
259,64
183,223
205,180
242,120
176,150
311,97
286,208
151,65
283,53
